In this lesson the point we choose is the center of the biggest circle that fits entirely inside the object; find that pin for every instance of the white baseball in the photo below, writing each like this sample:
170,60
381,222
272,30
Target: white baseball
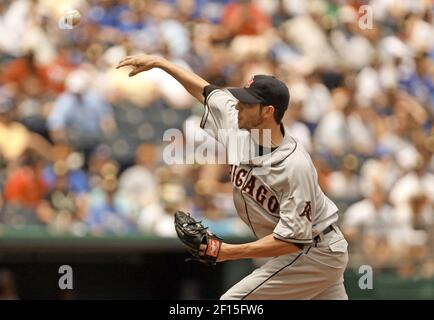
70,19
73,17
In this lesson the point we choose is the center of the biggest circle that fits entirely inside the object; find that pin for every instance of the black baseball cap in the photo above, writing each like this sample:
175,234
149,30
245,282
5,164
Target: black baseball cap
263,89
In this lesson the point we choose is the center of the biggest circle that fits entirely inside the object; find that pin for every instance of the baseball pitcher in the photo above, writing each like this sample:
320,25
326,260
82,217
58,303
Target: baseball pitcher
293,220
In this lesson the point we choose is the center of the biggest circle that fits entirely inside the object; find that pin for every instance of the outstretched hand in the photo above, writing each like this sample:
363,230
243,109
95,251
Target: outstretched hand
140,63
193,83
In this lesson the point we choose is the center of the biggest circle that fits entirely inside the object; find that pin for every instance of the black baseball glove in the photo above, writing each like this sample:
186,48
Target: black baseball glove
202,244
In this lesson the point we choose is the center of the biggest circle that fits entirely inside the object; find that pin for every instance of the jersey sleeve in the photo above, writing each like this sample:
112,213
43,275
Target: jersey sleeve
297,207
220,115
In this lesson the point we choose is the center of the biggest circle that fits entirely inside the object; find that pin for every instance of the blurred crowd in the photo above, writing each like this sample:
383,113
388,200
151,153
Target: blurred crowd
81,143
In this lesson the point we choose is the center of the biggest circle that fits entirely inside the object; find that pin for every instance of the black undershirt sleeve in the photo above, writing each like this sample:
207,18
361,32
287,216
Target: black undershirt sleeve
208,89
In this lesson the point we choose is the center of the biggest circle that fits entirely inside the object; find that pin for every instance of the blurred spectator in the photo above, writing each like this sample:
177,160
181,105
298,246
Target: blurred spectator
24,186
15,137
417,180
137,183
418,212
372,216
381,171
353,49
372,226
420,82
100,158
80,116
61,209
343,129
243,17
115,14
296,128
65,159
305,33
344,184
217,220
20,71
316,100
281,13
108,212
157,218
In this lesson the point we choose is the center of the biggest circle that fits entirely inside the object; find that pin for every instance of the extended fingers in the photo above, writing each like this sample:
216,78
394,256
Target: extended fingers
137,70
127,61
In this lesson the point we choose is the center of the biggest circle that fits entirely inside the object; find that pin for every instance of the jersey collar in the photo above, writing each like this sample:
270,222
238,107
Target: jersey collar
283,151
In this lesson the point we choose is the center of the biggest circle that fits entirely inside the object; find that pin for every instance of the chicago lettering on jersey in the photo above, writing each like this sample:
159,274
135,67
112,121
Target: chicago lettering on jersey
252,186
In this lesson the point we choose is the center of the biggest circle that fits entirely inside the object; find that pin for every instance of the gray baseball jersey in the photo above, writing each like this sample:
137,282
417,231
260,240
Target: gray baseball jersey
284,200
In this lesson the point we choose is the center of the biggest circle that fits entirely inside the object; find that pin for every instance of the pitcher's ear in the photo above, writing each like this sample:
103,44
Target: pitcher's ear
267,110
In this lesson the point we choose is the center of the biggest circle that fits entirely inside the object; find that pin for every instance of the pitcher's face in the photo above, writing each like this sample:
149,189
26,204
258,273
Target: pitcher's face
249,115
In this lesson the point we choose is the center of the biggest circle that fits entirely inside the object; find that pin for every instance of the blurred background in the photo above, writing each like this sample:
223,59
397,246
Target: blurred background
81,173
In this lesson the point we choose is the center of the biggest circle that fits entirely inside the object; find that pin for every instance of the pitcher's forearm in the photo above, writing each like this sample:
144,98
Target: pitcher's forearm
262,248
193,83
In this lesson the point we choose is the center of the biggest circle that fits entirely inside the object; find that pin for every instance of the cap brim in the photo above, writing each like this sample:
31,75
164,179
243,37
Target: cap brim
243,95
